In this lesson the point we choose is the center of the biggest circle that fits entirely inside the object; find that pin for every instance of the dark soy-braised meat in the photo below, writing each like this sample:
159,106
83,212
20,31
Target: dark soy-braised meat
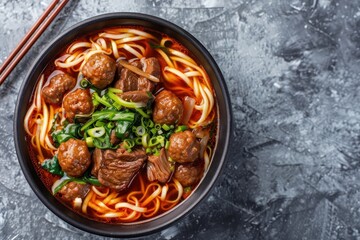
97,157
114,140
137,96
99,70
189,174
77,102
74,190
168,108
130,81
74,157
158,167
116,169
59,84
183,147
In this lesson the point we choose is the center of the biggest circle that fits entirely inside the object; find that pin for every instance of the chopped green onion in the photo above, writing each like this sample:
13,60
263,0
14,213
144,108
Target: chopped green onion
167,144
181,128
96,132
156,152
140,130
166,127
153,131
138,141
142,113
92,181
89,141
60,184
84,83
101,100
145,139
153,141
114,90
129,143
99,123
88,124
157,126
110,125
124,103
148,150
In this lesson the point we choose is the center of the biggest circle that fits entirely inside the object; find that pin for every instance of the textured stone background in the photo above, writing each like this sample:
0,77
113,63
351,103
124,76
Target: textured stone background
292,68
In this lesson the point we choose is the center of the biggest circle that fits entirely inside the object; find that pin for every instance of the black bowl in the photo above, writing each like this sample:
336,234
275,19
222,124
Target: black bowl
224,124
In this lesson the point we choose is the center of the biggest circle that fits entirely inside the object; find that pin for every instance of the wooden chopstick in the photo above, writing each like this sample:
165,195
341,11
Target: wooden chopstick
30,38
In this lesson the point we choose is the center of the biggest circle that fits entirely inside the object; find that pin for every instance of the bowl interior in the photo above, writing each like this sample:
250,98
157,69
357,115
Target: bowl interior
224,123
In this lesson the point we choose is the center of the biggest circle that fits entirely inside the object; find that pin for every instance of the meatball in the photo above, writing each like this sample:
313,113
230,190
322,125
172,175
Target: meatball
99,70
74,190
188,174
78,102
168,108
54,92
74,157
184,147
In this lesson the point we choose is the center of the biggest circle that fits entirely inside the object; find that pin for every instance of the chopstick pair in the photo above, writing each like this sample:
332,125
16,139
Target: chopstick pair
30,38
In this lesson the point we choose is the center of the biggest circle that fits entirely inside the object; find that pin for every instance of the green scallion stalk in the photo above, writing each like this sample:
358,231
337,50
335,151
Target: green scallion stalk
88,124
114,90
96,132
89,142
101,100
142,113
124,103
181,128
123,116
157,126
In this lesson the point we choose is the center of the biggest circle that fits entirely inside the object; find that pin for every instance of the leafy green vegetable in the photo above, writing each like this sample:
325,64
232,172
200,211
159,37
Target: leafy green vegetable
52,165
71,130
122,129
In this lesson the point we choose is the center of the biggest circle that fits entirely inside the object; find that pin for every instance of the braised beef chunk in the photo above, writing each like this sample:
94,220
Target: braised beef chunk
114,140
168,108
189,174
59,84
78,102
152,66
117,168
99,69
97,157
74,190
158,167
183,147
74,157
129,81
137,96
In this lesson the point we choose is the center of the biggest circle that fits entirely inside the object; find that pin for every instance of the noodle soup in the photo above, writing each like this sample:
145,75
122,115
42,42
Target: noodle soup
122,125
